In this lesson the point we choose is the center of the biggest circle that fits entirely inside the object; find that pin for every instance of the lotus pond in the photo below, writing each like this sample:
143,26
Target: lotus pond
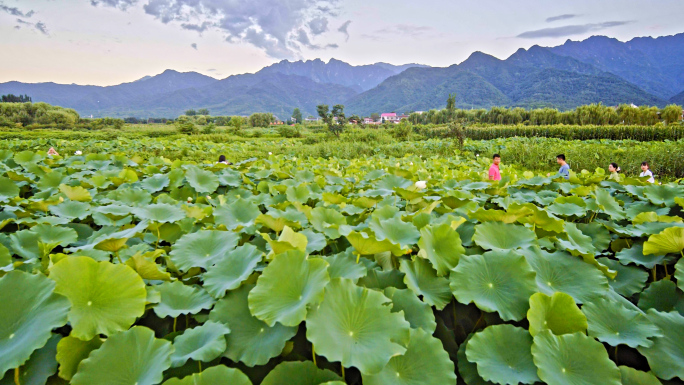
283,270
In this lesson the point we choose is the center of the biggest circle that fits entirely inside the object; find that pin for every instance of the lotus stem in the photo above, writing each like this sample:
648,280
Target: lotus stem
187,321
358,258
158,238
313,354
616,355
342,369
667,275
16,376
478,321
200,366
117,257
175,320
653,273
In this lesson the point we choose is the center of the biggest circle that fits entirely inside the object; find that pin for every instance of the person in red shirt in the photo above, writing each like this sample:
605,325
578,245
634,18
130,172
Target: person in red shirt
494,173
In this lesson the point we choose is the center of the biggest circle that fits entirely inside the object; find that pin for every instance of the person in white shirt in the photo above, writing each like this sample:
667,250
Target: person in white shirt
646,172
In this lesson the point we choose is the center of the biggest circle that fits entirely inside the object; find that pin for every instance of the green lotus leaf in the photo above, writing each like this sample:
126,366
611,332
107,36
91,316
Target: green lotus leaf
216,375
77,193
669,241
327,221
418,313
503,236
178,298
629,280
635,254
204,182
288,240
396,231
155,183
381,280
130,196
30,310
502,354
250,341
38,368
411,368
132,357
557,313
572,359
441,244
239,213
160,212
8,189
6,258
230,271
203,343
314,241
300,373
662,296
71,351
599,234
41,240
496,281
612,323
543,220
368,244
637,208
203,248
561,272
105,298
71,210
575,241
608,204
343,265
666,356
300,193
466,369
353,326
567,209
146,267
422,279
662,195
287,287
679,273
632,376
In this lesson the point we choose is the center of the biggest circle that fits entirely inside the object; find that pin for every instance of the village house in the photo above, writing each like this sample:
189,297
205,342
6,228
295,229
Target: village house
390,117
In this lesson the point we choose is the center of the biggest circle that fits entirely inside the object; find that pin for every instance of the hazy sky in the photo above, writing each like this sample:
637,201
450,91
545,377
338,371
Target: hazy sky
107,42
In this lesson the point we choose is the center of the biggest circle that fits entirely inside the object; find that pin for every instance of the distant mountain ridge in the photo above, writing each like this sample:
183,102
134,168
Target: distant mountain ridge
643,71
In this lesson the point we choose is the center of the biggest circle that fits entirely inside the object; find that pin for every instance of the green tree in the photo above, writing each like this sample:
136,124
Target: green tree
335,119
237,122
356,118
190,112
297,116
261,119
375,116
671,114
451,106
203,111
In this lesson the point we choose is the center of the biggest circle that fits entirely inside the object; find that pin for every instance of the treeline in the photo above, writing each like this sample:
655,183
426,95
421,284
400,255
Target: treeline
9,98
43,115
594,114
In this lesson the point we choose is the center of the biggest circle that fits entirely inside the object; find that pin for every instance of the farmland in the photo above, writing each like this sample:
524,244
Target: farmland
314,259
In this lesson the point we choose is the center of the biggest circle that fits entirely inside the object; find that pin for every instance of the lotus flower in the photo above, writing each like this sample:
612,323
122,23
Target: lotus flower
421,184
189,199
78,153
270,153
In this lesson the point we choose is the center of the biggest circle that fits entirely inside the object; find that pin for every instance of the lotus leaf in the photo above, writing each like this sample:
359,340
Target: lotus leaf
287,287
301,373
662,296
160,212
30,310
178,298
203,181
635,254
502,355
416,312
38,368
327,221
230,271
133,357
662,195
353,326
635,377
216,375
671,240
343,265
679,273
239,213
612,323
396,231
441,244
609,205
496,281
155,183
288,240
424,363
503,236
572,359
629,280
203,248
557,313
467,369
105,298
203,343
77,193
71,209
422,279
251,341
368,244
71,351
666,355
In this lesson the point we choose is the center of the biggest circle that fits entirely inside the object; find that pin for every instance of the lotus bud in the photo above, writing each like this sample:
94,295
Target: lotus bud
78,153
208,197
270,153
421,184
189,199
397,165
411,163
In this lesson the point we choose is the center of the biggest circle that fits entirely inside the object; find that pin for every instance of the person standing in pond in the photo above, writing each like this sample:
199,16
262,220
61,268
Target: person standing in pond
565,167
494,172
614,172
645,171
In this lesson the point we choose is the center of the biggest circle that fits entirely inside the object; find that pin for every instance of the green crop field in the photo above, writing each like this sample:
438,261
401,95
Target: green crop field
380,257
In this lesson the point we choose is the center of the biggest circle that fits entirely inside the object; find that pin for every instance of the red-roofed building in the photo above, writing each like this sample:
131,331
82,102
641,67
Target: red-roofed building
389,117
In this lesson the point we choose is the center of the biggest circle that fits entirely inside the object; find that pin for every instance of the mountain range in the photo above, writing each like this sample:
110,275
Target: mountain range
642,71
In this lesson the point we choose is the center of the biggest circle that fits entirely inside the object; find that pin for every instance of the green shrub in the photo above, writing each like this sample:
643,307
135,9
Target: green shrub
289,132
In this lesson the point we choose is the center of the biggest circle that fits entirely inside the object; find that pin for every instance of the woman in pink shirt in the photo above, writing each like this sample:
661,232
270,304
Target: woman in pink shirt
494,173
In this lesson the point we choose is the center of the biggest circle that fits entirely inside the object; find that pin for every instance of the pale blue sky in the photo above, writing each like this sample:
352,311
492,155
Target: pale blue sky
107,42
